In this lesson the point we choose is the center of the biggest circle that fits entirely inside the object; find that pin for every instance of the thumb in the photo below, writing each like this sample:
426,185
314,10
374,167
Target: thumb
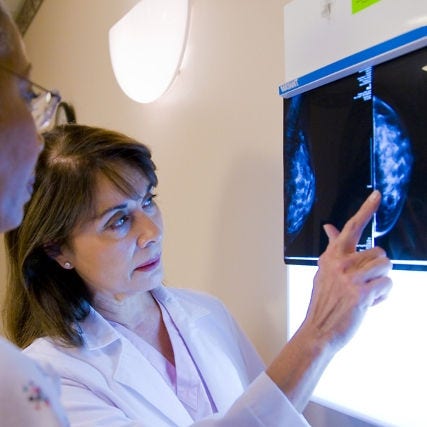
331,232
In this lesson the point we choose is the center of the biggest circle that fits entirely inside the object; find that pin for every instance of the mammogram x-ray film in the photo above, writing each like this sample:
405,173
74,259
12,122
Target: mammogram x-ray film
342,140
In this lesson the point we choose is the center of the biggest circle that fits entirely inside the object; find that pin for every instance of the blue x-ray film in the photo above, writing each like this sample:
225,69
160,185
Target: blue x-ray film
342,140
299,179
393,161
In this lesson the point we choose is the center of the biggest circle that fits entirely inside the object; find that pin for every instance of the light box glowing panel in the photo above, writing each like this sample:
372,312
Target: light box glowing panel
381,376
355,119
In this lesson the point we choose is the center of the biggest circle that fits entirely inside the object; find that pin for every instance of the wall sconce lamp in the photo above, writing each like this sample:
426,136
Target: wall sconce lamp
147,45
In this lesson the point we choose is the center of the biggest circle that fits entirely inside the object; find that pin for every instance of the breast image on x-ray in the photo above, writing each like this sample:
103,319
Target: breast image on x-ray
342,140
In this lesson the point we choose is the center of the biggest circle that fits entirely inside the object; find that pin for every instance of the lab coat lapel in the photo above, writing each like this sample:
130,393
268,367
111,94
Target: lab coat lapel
133,370
217,370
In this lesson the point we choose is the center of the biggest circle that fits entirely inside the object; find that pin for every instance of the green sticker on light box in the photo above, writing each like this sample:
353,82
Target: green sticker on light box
358,5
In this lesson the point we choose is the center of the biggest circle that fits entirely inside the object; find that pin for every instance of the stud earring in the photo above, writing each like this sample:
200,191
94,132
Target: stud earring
67,265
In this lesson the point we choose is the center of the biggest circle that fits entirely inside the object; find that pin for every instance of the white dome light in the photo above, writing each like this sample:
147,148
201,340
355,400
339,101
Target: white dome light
147,45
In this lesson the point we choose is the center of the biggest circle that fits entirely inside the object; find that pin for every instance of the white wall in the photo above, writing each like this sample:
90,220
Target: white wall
216,137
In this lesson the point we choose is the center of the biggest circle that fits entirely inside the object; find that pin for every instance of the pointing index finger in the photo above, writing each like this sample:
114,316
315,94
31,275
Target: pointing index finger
353,228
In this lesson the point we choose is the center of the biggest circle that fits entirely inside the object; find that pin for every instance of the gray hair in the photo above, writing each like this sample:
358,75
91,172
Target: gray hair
5,33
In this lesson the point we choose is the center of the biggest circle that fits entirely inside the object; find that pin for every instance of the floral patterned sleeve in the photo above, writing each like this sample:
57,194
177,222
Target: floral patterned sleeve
29,396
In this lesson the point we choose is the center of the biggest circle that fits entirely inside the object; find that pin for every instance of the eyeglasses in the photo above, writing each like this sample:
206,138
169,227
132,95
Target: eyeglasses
43,105
42,102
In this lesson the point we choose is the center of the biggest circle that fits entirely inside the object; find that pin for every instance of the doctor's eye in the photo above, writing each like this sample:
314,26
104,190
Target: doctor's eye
148,201
29,94
118,223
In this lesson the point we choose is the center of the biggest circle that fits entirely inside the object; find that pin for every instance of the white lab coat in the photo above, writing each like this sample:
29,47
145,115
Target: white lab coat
109,382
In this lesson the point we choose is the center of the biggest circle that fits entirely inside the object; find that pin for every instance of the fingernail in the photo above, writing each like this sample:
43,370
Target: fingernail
375,195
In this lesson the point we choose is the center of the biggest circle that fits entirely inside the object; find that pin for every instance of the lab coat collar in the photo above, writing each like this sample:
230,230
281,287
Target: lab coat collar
146,381
208,355
97,332
211,360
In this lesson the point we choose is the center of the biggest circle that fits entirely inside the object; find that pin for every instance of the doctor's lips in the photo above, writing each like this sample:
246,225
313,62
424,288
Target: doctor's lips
150,264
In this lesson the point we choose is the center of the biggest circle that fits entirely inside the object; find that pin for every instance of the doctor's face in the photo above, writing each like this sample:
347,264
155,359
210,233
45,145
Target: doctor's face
117,252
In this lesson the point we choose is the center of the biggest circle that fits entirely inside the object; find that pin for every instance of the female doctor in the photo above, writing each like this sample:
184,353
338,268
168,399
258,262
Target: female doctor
86,296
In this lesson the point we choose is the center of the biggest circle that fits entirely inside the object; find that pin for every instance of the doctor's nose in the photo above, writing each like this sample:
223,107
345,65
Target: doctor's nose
149,231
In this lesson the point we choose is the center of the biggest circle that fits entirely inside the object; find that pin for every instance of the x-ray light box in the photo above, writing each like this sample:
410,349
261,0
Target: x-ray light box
355,109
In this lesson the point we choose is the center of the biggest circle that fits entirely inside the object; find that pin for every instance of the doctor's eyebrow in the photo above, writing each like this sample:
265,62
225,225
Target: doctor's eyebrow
111,209
148,192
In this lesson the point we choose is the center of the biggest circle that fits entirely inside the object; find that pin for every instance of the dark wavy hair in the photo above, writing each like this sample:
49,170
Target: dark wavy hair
42,298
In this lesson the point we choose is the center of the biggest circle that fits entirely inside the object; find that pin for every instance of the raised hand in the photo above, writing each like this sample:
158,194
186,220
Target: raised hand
346,284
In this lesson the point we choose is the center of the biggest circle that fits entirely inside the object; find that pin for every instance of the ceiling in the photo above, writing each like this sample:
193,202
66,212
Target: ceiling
23,11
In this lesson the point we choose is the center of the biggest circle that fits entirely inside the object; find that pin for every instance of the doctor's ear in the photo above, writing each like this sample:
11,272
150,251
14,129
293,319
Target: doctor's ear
53,250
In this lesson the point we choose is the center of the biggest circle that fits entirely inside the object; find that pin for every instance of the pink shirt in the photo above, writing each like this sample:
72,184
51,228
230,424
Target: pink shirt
184,378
